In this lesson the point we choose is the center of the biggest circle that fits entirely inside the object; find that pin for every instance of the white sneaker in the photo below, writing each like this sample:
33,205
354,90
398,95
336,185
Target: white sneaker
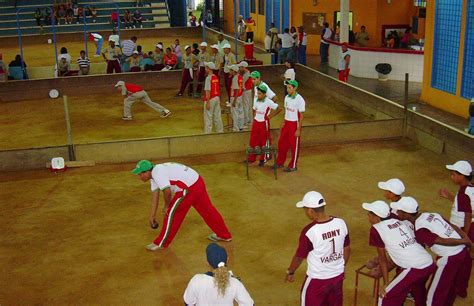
228,104
96,55
165,114
153,247
214,237
127,118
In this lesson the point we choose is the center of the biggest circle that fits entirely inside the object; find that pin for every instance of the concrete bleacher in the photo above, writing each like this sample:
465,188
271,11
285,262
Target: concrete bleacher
155,15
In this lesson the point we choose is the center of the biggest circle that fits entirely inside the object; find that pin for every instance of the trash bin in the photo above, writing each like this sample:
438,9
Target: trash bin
383,70
248,47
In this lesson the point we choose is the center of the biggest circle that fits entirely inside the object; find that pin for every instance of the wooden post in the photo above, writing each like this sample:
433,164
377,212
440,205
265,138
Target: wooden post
70,144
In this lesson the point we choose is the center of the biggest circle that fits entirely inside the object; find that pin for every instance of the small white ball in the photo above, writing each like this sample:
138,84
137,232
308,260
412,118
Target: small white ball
50,41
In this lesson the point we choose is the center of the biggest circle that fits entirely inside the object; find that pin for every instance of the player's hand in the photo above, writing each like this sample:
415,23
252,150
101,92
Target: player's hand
382,291
290,278
208,105
298,133
152,221
444,193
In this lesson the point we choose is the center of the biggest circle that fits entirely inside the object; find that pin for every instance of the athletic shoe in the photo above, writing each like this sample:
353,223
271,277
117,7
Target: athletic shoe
165,114
179,94
128,118
261,163
96,55
278,166
153,247
215,238
288,169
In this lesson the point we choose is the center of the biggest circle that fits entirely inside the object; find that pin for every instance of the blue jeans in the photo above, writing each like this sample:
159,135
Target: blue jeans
284,54
302,55
324,52
100,42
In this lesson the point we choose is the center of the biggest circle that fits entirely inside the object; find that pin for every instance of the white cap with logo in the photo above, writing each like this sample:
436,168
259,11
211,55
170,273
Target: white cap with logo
203,44
234,68
462,167
226,46
211,65
214,46
394,185
312,199
380,208
406,204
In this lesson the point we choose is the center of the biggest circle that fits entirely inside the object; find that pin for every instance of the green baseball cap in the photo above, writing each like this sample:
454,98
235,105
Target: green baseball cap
142,166
293,83
262,88
255,74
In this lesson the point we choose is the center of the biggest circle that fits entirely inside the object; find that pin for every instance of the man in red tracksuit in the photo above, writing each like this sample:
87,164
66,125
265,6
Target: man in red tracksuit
291,128
264,110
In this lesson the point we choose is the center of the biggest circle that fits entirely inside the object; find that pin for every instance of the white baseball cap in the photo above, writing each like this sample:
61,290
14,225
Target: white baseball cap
406,204
393,185
234,67
203,44
312,199
186,47
119,83
214,46
211,65
159,46
226,46
243,64
462,167
135,52
380,208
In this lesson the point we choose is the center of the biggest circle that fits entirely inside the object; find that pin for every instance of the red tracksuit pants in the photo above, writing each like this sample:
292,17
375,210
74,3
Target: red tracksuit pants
195,196
442,290
288,141
185,80
260,136
408,279
344,75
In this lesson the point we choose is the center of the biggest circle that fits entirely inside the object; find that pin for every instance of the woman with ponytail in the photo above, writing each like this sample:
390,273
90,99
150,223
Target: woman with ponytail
218,286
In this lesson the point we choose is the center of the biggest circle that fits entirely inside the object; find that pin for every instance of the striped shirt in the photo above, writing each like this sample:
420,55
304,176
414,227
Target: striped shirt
83,62
128,46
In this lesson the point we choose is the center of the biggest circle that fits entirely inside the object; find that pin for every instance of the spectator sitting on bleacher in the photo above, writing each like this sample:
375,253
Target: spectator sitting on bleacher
84,63
79,14
158,57
128,19
61,14
38,16
114,19
129,45
134,62
170,59
140,52
63,66
147,62
69,14
176,48
137,19
92,11
63,53
15,69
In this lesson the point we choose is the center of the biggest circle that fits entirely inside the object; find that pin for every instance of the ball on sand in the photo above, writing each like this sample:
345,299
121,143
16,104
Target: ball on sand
50,41
154,225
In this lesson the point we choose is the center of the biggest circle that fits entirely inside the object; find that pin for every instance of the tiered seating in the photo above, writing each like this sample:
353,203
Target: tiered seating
155,15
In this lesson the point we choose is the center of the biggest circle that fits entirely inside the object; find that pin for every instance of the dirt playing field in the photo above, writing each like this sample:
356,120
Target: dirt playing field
95,118
78,237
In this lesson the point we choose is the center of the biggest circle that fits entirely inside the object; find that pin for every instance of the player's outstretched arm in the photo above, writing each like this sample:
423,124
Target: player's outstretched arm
290,273
383,262
347,254
155,199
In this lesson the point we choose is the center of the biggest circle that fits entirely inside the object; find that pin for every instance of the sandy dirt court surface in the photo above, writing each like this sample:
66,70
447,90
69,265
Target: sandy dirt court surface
95,118
78,237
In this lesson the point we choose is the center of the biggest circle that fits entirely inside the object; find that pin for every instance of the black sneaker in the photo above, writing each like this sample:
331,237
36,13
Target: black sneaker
288,169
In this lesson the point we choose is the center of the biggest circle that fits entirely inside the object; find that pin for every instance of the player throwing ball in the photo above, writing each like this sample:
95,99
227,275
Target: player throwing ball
134,93
325,245
182,188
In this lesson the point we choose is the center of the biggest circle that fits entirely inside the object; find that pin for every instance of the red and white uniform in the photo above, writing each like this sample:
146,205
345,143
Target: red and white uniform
260,135
450,261
416,264
294,106
463,203
322,244
188,190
